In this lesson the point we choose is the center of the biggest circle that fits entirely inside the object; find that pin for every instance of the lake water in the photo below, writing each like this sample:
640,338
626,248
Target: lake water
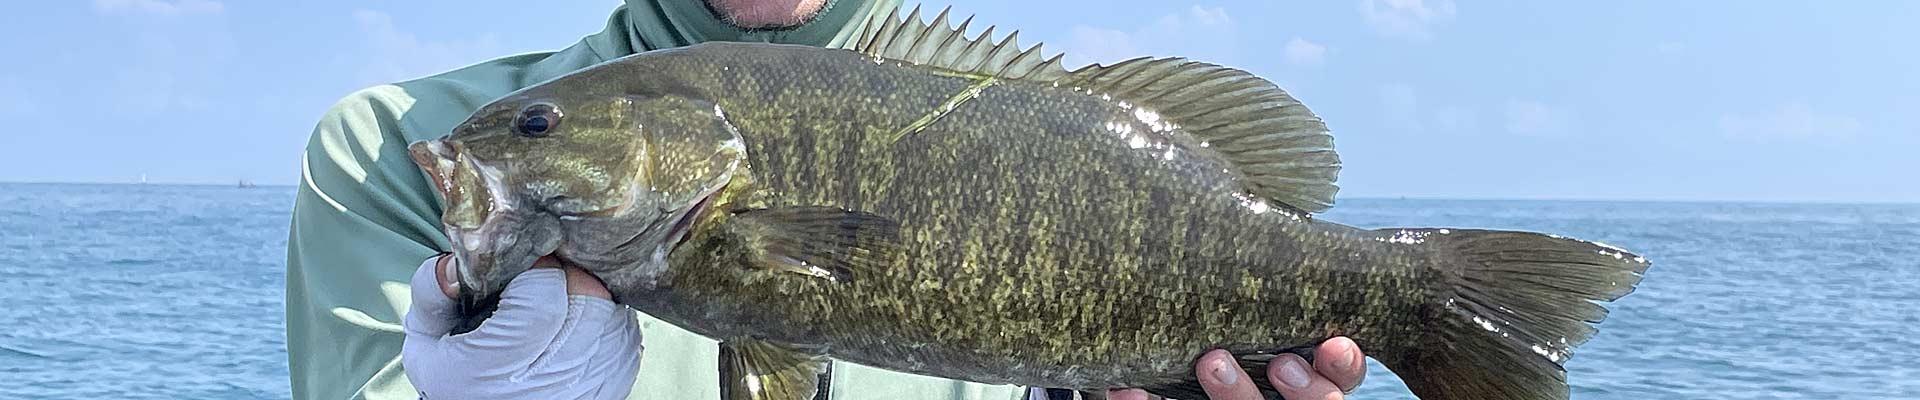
152,291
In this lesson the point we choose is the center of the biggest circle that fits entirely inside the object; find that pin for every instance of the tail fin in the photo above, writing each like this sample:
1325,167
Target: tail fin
1520,303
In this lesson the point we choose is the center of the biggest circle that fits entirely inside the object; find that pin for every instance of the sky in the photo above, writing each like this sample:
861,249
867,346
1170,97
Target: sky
1689,101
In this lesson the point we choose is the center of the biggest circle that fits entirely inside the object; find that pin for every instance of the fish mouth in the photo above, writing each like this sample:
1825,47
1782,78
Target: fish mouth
437,160
485,232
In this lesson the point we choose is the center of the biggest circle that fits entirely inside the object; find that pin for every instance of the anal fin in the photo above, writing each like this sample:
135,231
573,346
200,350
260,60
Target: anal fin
753,369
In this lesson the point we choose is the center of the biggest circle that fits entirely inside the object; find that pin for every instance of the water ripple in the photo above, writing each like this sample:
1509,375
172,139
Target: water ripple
175,292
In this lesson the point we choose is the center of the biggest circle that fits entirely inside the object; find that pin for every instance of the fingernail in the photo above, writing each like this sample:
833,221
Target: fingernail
1292,373
1345,359
448,275
1225,373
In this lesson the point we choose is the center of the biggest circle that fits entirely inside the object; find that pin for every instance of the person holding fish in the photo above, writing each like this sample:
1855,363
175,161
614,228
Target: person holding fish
552,197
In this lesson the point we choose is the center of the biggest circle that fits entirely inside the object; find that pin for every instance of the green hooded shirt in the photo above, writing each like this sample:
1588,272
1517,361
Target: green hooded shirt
365,217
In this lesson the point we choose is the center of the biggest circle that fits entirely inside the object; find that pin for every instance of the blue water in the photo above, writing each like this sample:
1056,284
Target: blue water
123,291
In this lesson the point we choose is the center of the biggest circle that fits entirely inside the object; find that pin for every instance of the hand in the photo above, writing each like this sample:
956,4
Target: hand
556,335
1338,367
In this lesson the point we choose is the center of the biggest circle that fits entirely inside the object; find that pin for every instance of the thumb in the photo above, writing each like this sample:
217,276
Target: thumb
432,313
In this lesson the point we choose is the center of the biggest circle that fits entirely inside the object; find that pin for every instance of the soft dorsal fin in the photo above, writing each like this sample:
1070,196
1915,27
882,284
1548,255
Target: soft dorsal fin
1279,148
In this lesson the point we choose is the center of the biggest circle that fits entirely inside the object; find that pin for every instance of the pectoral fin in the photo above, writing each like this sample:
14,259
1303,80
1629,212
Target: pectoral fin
826,242
752,369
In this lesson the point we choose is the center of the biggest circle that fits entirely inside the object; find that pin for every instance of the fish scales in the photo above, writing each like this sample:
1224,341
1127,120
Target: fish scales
986,216
1011,204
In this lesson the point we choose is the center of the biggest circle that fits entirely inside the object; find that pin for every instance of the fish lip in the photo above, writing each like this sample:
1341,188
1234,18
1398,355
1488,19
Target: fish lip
440,160
436,160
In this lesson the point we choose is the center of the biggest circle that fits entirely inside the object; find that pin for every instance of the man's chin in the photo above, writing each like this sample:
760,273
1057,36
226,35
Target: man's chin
766,14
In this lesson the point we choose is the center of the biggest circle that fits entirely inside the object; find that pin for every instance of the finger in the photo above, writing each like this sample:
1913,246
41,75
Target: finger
1339,359
431,313
532,310
621,334
611,329
1291,376
1221,377
583,283
619,355
579,341
1129,394
604,335
447,274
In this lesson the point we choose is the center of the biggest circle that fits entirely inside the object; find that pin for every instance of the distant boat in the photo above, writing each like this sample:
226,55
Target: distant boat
245,184
143,179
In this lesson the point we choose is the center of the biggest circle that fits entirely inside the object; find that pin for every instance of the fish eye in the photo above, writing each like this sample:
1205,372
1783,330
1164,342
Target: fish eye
536,120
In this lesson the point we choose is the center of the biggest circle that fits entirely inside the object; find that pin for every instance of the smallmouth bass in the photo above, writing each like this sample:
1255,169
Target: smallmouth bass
949,206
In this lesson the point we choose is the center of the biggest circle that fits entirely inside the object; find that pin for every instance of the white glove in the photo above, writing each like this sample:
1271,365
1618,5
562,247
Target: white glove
540,344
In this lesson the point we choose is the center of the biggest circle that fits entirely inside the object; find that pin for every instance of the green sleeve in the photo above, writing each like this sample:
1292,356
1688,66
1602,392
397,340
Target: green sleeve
358,230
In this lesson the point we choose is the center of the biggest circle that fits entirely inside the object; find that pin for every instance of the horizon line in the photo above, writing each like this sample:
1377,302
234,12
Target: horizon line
1356,197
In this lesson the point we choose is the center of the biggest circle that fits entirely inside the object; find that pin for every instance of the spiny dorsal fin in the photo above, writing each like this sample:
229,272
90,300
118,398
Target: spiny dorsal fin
941,45
1279,148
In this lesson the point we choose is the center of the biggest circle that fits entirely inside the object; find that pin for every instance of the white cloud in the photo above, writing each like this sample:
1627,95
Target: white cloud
1208,16
1302,52
1528,117
395,55
1406,19
1795,120
1201,33
158,8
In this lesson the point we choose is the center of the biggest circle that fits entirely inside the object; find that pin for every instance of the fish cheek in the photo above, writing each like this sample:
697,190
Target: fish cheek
585,171
626,257
690,146
603,244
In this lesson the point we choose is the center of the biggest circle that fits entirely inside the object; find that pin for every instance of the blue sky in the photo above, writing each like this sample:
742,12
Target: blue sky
1767,101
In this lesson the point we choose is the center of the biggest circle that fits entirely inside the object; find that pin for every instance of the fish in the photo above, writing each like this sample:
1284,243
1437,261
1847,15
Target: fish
932,203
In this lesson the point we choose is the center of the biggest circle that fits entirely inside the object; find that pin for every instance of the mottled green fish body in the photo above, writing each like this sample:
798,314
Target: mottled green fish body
1044,232
944,206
